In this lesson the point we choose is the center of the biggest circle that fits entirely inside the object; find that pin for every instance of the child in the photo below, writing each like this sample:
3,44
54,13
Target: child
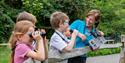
60,22
21,42
86,27
30,17
26,16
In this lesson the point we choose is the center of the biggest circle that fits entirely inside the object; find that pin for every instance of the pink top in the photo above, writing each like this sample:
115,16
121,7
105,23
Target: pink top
20,52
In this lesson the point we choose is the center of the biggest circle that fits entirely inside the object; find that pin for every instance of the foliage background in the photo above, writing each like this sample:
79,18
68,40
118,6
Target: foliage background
112,12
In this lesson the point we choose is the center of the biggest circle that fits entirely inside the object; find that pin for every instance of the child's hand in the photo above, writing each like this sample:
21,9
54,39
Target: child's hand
67,33
101,33
43,31
82,36
36,35
75,32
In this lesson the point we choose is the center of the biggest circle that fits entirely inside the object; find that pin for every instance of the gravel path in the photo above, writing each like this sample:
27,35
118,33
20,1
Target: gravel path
114,58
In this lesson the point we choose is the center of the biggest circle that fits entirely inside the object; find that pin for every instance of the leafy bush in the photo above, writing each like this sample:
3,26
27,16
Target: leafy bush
7,20
112,21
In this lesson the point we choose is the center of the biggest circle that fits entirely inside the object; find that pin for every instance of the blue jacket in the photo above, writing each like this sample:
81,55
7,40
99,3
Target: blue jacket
81,27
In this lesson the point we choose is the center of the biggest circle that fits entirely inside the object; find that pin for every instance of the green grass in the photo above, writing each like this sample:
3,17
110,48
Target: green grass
4,54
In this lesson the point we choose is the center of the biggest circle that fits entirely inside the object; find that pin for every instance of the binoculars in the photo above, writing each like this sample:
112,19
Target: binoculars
71,31
41,34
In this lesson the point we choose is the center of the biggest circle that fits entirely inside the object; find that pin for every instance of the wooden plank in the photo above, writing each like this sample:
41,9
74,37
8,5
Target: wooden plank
110,41
80,51
4,44
54,55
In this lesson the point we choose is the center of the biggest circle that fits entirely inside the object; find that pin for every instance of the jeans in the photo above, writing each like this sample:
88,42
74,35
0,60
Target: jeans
78,59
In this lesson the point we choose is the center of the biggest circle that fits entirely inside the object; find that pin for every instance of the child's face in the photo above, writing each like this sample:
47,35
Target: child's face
65,25
90,20
67,33
26,38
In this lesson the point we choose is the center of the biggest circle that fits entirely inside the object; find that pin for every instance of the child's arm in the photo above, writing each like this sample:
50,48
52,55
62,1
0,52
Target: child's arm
82,36
68,34
45,47
45,43
40,52
70,45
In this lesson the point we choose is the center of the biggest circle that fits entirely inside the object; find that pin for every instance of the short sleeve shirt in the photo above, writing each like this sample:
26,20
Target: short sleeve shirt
20,52
57,42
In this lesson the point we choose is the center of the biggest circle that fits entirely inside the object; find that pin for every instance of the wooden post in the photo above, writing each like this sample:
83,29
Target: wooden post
122,54
123,40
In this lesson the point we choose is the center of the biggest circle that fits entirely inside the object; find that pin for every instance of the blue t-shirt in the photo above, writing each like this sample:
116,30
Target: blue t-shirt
81,27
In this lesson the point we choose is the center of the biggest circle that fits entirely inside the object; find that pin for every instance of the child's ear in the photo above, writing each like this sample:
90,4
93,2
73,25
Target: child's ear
60,25
19,36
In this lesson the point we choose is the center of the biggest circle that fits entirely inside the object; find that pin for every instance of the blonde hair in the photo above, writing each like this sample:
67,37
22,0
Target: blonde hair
26,16
57,18
20,28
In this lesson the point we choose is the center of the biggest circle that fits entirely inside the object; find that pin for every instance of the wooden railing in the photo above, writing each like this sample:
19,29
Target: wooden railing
110,44
111,41
122,54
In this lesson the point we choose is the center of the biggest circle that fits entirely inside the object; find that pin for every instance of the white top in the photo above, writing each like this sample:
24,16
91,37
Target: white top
57,42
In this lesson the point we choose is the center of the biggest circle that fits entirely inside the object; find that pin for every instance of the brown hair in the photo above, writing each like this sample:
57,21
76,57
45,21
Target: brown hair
26,16
95,13
57,18
20,28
